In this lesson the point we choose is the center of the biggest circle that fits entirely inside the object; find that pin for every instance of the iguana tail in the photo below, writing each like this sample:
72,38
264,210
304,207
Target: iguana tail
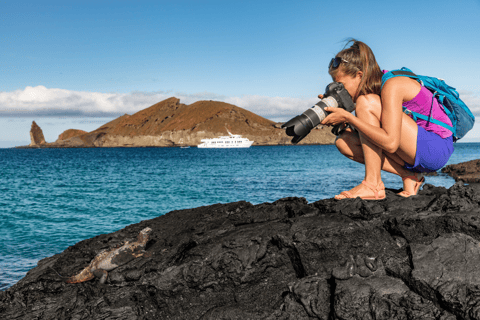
83,276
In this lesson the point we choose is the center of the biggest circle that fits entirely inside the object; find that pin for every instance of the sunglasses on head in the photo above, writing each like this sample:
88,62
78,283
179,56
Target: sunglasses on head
335,62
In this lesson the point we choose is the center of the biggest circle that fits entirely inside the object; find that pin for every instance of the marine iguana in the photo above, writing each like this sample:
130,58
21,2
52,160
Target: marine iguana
110,259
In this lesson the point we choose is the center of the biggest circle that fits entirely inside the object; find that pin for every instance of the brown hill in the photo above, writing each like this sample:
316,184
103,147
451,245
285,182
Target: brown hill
171,123
109,125
70,133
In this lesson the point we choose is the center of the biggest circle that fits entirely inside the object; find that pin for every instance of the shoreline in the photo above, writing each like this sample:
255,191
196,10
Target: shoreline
176,146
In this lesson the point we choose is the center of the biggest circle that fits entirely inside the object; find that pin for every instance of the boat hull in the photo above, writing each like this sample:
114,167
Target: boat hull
226,142
219,146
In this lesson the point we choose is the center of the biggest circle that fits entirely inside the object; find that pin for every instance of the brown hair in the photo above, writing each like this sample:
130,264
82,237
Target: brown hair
360,58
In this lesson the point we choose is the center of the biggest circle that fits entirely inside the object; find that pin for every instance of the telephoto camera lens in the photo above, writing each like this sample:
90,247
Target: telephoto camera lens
336,96
319,108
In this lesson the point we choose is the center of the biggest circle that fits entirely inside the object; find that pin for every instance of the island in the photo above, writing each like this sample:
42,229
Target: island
170,123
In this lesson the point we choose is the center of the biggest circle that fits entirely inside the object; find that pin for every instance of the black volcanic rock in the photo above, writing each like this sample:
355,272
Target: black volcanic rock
414,258
466,171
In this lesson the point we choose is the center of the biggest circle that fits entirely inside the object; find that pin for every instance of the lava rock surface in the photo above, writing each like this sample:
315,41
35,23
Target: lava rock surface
398,258
466,171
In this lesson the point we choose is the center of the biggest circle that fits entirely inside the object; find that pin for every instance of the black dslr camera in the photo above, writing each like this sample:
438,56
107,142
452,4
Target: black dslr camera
336,96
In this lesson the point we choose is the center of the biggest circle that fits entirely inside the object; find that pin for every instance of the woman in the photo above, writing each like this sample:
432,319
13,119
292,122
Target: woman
385,138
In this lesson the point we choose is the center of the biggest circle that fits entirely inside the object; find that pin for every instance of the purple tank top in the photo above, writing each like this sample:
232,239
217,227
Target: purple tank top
422,104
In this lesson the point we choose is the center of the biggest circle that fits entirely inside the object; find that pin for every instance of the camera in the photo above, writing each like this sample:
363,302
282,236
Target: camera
336,96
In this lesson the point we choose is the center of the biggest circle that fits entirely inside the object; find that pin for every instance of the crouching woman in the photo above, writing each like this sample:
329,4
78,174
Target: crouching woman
385,138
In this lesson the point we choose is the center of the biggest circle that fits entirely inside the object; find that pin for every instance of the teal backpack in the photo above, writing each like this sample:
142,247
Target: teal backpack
457,111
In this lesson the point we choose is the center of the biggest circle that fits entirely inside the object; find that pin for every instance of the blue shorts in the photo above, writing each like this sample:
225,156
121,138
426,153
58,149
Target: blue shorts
433,152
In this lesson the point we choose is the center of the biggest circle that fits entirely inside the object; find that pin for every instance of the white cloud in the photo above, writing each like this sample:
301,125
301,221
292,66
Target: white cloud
41,101
44,102
47,102
274,108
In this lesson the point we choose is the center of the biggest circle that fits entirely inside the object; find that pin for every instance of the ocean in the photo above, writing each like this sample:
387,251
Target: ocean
51,199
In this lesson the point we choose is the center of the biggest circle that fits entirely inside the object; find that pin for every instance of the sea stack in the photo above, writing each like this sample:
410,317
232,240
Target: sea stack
36,135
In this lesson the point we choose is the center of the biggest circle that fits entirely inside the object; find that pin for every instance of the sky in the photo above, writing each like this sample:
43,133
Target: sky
79,64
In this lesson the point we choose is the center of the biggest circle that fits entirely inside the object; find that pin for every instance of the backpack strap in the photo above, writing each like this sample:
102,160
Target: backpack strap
416,115
404,72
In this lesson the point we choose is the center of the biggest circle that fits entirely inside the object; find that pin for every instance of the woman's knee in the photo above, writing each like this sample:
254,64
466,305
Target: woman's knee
340,143
347,142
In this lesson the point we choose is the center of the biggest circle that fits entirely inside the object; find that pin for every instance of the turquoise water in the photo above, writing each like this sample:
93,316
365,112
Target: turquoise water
53,198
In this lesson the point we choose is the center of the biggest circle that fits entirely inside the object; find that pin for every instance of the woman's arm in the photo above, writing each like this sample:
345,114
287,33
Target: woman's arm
388,110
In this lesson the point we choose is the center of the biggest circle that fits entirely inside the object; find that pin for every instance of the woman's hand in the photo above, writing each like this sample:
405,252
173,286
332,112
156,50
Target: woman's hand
336,116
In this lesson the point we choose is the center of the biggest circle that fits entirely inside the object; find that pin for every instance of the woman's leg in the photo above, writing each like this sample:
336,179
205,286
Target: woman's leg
348,143
359,148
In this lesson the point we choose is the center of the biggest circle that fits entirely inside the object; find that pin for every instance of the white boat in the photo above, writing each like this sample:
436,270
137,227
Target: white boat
231,141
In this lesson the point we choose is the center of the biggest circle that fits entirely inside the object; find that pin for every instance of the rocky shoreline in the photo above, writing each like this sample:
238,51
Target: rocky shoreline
398,258
468,172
